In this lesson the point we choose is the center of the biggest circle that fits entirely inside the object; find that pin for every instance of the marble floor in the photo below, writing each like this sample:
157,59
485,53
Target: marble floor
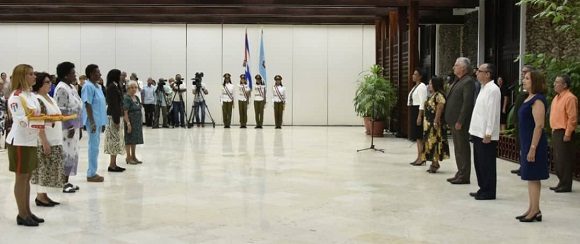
296,185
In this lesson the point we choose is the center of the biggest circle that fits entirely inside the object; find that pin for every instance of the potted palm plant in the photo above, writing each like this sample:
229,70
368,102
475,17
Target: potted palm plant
374,100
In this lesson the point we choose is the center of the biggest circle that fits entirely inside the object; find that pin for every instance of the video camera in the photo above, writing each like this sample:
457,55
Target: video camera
178,81
196,81
161,83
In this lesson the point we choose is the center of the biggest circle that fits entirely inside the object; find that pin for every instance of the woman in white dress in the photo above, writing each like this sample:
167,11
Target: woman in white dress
69,101
50,171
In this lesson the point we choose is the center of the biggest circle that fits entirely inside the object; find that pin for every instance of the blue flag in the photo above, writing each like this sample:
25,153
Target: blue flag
247,61
262,68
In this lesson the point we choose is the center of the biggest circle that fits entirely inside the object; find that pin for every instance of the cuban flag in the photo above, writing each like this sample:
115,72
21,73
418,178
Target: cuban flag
246,64
262,68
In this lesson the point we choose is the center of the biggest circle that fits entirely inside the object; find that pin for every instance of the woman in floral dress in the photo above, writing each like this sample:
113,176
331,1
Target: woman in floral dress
435,136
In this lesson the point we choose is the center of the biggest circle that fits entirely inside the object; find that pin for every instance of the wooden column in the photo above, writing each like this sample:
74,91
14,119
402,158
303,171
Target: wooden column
378,43
413,14
393,30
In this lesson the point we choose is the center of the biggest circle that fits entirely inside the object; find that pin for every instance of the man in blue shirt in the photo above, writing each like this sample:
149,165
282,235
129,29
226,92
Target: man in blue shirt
148,95
94,118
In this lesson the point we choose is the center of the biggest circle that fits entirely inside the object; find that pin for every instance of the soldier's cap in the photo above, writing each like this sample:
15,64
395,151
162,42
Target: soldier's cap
278,77
243,76
258,77
227,75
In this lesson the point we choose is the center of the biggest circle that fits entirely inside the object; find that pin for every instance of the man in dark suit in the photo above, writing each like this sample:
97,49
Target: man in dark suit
458,111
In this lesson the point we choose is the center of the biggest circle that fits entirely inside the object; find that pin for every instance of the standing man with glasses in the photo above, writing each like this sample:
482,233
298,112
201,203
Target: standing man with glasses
484,129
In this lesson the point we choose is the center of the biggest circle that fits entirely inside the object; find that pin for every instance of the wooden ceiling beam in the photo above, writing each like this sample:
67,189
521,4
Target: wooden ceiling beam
187,19
372,3
193,10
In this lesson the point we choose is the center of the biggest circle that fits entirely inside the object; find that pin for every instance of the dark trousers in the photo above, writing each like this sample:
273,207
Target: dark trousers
259,110
199,111
160,111
484,157
149,112
462,152
278,113
563,159
243,106
227,112
178,114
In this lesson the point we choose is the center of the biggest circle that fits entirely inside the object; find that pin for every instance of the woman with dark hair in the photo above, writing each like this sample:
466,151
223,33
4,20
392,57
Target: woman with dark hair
227,100
114,141
416,102
533,142
50,171
94,118
69,102
259,101
434,134
23,140
279,101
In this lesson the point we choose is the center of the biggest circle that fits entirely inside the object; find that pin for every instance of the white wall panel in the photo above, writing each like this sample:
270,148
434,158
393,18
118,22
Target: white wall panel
133,50
8,52
169,46
310,79
98,47
318,63
32,45
369,43
64,44
278,44
345,60
204,54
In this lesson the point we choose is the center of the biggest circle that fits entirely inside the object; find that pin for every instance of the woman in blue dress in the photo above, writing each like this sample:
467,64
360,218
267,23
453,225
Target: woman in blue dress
533,143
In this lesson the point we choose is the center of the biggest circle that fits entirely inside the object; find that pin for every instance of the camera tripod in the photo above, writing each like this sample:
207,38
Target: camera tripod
180,101
190,120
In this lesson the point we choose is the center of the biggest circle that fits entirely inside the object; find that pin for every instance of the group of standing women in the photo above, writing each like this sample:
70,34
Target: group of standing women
43,141
37,149
243,97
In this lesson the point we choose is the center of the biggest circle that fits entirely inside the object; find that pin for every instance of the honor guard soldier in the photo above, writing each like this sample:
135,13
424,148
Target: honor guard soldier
244,93
227,100
259,101
279,101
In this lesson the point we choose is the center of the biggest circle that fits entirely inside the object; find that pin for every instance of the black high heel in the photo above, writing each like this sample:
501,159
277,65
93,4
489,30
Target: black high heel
26,222
42,204
37,219
536,217
433,169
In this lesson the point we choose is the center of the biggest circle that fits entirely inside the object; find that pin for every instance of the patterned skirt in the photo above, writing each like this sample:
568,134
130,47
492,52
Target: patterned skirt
50,171
114,139
70,147
436,144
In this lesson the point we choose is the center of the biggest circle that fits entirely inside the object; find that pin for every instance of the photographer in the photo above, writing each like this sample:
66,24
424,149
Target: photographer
178,103
199,100
162,92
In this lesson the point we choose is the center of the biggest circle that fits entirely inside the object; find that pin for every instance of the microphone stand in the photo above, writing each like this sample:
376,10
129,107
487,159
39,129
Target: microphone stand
372,147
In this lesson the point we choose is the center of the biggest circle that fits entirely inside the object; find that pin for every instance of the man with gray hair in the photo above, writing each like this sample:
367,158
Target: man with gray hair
458,111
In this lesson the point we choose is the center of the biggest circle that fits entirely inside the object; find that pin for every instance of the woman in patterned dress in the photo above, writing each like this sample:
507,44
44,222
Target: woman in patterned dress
435,136
50,171
69,102
133,122
114,143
